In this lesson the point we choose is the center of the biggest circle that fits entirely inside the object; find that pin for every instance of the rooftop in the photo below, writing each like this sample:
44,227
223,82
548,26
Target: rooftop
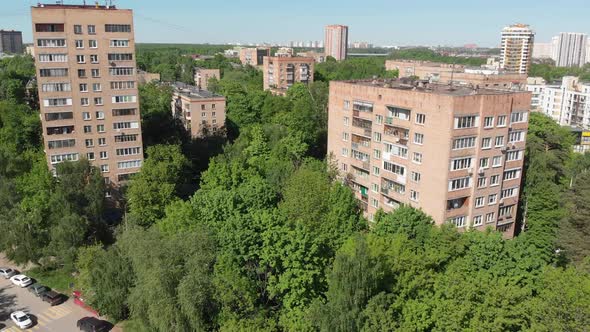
193,92
68,6
426,87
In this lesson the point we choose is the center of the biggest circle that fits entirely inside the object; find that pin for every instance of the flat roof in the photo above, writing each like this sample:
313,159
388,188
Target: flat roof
69,6
426,87
193,92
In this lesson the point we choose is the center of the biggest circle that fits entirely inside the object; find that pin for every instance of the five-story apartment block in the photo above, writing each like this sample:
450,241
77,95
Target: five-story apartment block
86,71
455,152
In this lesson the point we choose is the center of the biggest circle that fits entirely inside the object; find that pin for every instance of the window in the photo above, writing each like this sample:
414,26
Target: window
506,211
345,152
345,136
346,104
95,72
459,183
126,138
499,141
90,156
119,43
344,167
417,157
502,121
398,113
51,42
490,217
51,102
492,199
82,73
104,168
66,143
514,155
374,187
53,72
53,58
486,143
213,107
96,87
346,121
91,29
103,155
374,203
89,142
375,170
84,101
124,111
83,87
416,177
460,163
512,174
99,115
481,182
377,137
203,107
92,43
477,220
497,161
396,150
123,71
122,85
87,129
517,117
40,27
94,58
78,29
394,168
98,101
126,125
414,195
469,121
124,99
484,162
418,138
128,151
79,44
362,106
102,141
488,122
464,143
117,28
494,180
80,58
86,116
479,202
58,158
510,192
100,128
420,118
379,119
458,221
56,87
516,136
376,154
129,164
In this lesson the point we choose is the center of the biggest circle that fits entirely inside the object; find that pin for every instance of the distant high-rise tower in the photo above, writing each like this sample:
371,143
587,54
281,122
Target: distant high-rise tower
11,41
336,41
517,48
571,49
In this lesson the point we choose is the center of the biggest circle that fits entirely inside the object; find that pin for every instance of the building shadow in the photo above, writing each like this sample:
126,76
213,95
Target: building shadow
7,303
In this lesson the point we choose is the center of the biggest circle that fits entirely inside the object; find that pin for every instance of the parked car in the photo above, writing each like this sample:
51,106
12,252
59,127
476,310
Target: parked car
93,324
21,280
38,289
51,297
7,272
21,319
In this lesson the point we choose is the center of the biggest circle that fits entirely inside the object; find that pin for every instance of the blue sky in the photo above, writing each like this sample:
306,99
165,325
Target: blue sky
383,22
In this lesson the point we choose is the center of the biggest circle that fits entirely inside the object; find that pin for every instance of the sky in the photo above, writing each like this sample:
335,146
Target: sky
381,22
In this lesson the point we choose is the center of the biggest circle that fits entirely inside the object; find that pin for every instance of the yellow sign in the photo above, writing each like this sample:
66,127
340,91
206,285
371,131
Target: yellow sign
586,133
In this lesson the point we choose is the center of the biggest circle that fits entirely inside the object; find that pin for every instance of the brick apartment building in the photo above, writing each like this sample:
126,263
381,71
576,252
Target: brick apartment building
203,75
253,56
336,41
280,73
455,152
87,81
202,112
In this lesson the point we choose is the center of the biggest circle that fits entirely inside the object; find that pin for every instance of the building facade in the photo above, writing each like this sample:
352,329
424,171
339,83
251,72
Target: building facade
87,82
203,75
571,49
582,140
517,48
11,41
253,56
567,102
280,73
336,41
458,74
201,112
145,77
455,152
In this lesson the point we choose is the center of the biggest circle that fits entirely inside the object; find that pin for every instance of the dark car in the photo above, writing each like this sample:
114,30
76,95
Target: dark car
51,297
38,289
93,324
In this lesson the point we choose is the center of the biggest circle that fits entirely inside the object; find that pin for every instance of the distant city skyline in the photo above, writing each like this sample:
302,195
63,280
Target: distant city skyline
379,22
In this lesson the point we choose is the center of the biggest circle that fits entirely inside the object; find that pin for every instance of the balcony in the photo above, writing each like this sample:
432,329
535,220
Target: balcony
457,203
399,134
389,187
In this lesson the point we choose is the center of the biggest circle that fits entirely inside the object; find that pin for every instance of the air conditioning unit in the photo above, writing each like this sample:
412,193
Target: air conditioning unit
470,170
504,149
481,171
397,139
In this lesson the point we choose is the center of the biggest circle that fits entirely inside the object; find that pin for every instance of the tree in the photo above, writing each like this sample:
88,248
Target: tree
574,229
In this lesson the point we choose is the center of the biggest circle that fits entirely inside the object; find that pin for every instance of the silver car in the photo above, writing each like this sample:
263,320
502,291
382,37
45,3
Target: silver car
7,272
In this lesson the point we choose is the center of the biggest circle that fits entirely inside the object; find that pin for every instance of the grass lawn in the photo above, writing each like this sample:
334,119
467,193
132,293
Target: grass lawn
55,279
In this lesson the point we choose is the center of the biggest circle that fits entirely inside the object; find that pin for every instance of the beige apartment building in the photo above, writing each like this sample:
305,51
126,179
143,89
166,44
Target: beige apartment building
253,56
455,152
445,73
201,112
517,48
203,75
87,81
336,41
280,73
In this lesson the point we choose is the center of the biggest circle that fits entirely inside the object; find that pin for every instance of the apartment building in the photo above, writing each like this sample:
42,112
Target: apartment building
11,41
336,41
517,48
455,152
280,73
253,56
445,73
146,77
201,112
203,75
582,140
318,57
571,49
284,52
87,82
566,101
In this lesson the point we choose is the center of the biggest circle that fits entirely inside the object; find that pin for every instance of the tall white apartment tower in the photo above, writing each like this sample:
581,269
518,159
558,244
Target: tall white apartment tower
571,49
517,48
